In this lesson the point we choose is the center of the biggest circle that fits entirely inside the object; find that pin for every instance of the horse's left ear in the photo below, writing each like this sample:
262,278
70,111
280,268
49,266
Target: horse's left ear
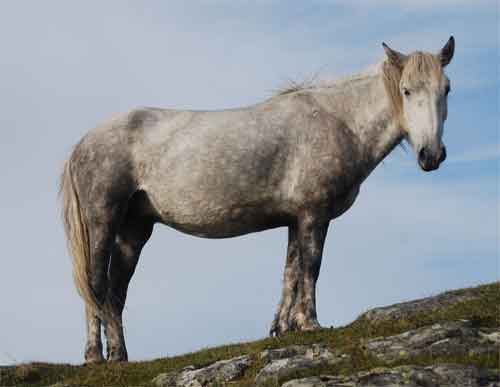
446,53
396,58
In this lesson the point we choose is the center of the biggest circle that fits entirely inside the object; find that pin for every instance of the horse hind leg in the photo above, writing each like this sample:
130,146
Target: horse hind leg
93,347
96,185
130,239
101,233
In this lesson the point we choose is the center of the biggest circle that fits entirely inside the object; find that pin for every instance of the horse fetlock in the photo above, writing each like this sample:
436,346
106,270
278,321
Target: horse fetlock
279,326
280,322
115,341
308,324
291,321
273,331
294,323
117,353
93,353
303,318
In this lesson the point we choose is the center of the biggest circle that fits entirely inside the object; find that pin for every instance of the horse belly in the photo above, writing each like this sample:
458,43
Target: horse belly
217,219
215,198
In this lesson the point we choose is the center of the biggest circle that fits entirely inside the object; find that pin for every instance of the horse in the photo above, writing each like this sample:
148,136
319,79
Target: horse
295,160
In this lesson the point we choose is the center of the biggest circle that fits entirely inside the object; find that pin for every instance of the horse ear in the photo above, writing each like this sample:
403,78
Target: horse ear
396,58
446,53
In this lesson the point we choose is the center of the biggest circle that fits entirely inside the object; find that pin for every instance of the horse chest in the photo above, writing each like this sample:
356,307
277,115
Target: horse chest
341,204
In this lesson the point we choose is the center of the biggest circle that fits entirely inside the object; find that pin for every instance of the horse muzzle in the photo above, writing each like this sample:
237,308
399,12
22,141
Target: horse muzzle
430,161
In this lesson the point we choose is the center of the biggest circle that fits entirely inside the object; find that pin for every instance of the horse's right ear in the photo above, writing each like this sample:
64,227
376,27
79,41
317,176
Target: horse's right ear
396,58
446,53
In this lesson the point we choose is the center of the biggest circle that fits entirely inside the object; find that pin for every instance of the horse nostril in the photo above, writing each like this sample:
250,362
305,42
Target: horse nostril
422,155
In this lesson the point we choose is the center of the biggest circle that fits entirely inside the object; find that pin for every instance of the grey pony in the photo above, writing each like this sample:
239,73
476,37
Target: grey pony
296,160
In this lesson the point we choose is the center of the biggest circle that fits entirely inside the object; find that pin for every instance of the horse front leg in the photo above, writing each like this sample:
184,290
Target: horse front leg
297,308
291,276
311,235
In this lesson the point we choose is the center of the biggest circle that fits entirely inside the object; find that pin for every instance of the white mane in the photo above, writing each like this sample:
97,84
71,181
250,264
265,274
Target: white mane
316,82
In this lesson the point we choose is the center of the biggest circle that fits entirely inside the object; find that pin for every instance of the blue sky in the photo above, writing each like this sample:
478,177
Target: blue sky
67,66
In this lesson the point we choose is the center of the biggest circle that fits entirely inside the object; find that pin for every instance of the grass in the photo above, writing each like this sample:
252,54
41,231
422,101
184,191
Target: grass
483,311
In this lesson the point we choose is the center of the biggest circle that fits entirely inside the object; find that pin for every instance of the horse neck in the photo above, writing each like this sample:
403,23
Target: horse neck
363,104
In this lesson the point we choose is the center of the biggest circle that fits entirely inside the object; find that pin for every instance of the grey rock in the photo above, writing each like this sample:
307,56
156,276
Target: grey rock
286,361
315,381
449,338
221,371
269,355
441,375
406,310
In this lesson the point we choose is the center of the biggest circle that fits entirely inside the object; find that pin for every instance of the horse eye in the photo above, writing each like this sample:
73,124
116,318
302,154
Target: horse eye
406,92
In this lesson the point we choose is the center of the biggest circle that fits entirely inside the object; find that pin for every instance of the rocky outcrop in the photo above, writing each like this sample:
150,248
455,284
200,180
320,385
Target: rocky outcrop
220,372
445,339
440,375
286,361
452,339
411,309
449,338
442,342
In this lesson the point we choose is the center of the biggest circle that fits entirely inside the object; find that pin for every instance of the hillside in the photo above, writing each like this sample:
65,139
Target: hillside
451,339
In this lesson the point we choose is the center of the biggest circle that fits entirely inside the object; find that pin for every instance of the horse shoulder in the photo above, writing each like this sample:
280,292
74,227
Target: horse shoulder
323,171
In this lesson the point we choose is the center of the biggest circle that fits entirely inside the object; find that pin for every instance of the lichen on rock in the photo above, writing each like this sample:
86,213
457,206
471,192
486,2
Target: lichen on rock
448,338
440,375
286,361
221,371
